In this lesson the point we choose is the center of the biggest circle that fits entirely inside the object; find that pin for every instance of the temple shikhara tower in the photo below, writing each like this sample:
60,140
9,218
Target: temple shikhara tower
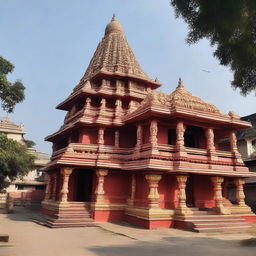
128,152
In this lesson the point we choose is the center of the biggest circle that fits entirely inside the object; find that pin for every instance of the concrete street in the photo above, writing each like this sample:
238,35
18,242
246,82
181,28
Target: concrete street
30,239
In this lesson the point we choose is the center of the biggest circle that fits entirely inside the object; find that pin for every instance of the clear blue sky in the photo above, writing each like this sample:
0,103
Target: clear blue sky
51,43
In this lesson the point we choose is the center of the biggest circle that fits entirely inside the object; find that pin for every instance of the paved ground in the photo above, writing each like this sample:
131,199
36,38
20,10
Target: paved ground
30,239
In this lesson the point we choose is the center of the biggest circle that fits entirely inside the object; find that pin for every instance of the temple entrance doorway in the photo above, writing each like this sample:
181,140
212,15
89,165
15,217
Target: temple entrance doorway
190,200
83,185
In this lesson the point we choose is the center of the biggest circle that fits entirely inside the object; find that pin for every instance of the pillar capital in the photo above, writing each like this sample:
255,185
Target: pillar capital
66,170
101,172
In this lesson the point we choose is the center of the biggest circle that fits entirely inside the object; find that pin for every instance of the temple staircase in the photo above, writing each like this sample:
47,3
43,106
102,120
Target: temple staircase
204,221
77,215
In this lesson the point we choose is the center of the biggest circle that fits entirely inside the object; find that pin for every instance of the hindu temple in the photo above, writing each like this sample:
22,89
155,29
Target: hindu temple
129,152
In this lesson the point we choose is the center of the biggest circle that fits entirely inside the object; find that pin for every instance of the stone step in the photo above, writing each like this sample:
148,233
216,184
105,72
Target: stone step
211,225
70,225
221,229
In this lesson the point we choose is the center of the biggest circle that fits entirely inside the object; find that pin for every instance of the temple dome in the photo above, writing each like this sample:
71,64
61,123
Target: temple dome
114,55
113,27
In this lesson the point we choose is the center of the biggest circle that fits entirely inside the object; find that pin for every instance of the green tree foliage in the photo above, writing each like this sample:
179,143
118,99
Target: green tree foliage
230,25
10,93
15,160
30,143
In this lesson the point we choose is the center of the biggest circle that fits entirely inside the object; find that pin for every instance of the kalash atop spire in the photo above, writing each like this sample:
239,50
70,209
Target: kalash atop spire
114,54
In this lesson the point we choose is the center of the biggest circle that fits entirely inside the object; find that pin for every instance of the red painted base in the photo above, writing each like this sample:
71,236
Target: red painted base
102,216
149,224
250,219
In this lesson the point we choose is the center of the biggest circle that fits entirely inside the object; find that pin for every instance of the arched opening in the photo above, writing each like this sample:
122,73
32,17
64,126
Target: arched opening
171,137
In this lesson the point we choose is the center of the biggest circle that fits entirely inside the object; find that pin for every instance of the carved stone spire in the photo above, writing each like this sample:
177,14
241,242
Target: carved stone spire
114,54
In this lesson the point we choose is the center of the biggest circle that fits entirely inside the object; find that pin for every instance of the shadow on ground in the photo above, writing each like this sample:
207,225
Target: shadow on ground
22,214
180,246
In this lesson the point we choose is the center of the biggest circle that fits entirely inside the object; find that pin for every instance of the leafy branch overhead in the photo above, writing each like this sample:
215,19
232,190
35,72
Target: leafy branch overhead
10,93
230,25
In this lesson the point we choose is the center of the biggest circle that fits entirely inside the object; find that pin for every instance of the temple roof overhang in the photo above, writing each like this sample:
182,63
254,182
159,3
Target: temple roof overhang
182,104
104,74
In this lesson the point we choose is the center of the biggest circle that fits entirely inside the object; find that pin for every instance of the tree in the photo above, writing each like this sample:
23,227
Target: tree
230,25
15,161
10,93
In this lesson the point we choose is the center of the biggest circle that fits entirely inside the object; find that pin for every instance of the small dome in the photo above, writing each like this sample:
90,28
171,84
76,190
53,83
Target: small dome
113,26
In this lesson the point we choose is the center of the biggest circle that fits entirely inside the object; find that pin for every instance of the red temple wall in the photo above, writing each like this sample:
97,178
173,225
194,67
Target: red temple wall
109,137
141,191
203,191
116,187
88,136
168,192
162,135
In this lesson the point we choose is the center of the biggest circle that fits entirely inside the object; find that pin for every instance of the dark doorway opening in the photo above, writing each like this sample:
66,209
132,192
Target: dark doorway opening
171,137
190,137
190,200
83,185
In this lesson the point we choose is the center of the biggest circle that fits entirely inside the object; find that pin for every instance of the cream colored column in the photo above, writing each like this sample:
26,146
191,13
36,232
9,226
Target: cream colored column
240,191
182,208
117,138
130,201
99,191
209,133
65,172
180,142
101,136
233,147
153,196
153,136
219,207
139,137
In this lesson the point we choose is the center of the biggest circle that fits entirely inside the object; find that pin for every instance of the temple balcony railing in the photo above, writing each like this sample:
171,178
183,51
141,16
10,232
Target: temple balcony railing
96,111
165,152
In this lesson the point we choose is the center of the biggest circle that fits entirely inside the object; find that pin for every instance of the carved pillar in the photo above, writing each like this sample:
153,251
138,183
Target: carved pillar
101,136
65,172
117,138
153,196
182,208
99,191
209,133
118,107
180,130
233,147
153,134
240,191
102,106
132,106
139,136
130,201
219,207
47,194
